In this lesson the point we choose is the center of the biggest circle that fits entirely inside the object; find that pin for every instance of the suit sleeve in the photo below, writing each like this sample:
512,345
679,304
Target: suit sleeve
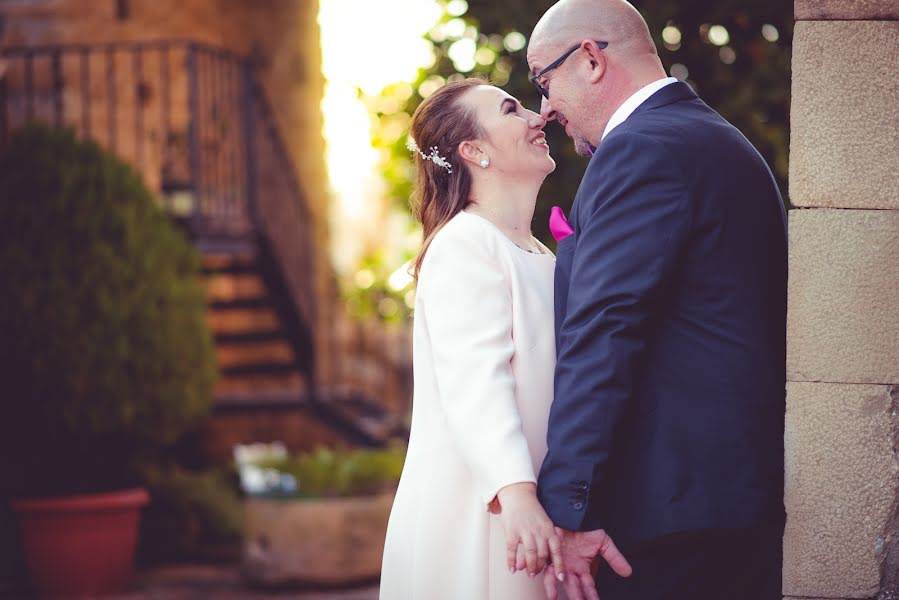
633,220
468,310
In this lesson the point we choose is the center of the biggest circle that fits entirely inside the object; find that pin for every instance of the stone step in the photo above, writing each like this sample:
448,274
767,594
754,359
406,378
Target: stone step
247,383
259,368
276,350
225,287
223,263
242,320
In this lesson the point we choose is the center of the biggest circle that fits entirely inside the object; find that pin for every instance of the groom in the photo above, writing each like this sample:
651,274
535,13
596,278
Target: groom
666,432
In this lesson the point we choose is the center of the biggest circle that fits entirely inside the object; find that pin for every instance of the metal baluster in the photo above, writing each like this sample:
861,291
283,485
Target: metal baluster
29,86
4,119
85,92
216,115
58,114
206,198
235,201
165,91
220,126
225,160
111,96
137,75
194,140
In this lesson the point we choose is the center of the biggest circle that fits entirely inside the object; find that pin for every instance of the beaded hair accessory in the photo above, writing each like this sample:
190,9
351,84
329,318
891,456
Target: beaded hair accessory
434,156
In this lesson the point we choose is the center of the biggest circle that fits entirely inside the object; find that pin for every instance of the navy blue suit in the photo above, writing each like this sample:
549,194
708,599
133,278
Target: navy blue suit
670,301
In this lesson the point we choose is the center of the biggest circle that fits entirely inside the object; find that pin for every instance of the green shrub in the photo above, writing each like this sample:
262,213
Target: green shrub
192,513
327,473
105,355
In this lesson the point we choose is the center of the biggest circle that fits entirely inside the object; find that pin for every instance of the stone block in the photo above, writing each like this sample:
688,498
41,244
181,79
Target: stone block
846,10
841,474
845,115
843,314
329,541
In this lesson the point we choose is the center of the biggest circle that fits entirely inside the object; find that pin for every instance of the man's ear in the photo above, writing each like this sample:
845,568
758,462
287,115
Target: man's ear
471,151
597,60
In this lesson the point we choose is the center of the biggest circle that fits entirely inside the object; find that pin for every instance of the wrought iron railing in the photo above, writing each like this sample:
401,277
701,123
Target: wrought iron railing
194,120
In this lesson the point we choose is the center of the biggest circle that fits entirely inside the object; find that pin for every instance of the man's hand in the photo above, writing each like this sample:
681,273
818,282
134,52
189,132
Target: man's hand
578,550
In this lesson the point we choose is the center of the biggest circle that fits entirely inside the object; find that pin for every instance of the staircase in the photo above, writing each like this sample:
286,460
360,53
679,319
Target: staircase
256,357
224,174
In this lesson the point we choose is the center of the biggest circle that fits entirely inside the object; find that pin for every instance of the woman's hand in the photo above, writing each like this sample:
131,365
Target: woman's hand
525,523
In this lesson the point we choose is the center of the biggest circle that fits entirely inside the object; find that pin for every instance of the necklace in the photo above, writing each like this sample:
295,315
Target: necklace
503,233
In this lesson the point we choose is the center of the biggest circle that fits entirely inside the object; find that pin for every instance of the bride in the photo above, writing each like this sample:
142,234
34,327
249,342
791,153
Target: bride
466,522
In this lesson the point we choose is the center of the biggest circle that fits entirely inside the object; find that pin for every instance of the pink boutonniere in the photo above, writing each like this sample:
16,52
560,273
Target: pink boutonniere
558,224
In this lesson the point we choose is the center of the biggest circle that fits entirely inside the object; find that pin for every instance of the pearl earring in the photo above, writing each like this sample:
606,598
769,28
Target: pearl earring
485,162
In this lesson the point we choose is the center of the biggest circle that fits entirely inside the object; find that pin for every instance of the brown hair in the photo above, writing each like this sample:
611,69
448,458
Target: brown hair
442,121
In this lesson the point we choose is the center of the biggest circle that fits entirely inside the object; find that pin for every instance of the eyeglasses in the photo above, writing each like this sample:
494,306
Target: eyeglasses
535,78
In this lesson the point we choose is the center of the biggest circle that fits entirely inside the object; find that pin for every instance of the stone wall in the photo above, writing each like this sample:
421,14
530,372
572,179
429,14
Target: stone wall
842,426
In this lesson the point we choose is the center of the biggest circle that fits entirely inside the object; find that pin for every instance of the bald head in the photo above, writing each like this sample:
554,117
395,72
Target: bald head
614,21
593,79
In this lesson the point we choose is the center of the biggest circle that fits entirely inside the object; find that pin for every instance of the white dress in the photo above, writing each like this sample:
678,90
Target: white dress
483,360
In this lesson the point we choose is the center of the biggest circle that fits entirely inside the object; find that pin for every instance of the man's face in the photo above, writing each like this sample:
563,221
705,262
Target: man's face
564,90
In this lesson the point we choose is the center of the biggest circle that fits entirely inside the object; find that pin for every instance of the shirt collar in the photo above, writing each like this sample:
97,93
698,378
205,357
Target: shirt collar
632,103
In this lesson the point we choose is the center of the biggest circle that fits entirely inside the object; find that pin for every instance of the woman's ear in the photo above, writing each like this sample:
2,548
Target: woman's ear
472,152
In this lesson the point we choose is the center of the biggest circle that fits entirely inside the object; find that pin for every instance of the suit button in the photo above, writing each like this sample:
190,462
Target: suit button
578,505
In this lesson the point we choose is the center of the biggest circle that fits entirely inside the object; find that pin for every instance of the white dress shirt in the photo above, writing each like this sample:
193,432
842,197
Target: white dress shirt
632,103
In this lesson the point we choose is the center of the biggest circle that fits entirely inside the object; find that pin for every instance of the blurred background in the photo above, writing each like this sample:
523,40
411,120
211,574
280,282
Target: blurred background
205,239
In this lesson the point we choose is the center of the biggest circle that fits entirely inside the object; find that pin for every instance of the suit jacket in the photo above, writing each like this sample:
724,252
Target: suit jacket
670,306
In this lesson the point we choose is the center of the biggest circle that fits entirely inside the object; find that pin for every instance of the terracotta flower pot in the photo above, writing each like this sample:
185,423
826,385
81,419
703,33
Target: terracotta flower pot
80,545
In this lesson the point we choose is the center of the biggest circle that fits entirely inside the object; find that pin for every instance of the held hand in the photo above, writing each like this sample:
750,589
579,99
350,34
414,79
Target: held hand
579,549
525,523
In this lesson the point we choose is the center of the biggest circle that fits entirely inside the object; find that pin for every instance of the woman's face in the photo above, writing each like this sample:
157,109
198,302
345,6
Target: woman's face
513,136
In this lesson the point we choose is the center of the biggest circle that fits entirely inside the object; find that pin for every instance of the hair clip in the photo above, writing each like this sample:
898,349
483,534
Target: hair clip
434,156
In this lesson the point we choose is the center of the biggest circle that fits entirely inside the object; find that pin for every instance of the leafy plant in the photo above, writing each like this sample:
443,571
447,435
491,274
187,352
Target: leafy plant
735,54
191,512
106,356
327,473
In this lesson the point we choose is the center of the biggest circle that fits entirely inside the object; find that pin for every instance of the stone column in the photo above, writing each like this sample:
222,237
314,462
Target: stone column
842,428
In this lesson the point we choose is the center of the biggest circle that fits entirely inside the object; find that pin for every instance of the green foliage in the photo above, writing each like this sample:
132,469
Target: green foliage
747,80
106,356
327,473
190,513
370,295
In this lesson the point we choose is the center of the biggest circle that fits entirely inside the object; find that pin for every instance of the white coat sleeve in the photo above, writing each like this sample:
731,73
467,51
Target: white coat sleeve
467,305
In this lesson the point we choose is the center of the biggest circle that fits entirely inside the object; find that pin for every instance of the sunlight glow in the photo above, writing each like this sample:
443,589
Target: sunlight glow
718,35
671,35
514,41
400,279
365,46
462,53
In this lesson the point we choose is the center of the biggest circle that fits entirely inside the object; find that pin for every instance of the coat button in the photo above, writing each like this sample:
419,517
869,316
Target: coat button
578,505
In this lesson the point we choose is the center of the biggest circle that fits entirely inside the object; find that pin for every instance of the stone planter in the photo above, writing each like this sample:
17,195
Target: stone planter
328,541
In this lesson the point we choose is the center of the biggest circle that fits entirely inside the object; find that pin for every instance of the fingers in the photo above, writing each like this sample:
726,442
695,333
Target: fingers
511,551
530,553
615,558
588,585
520,561
573,588
555,552
542,554
550,584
